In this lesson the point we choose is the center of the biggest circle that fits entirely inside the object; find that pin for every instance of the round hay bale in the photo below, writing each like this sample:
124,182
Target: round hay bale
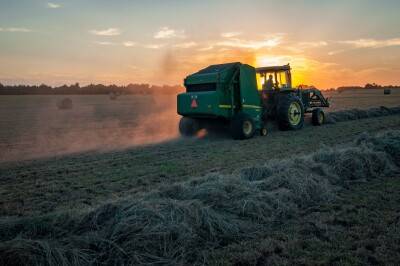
387,91
113,96
65,104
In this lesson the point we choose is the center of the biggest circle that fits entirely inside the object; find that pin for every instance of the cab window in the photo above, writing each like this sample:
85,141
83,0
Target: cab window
282,80
279,80
262,79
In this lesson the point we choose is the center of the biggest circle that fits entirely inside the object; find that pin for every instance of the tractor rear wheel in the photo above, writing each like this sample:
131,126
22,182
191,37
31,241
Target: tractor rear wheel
242,126
188,127
318,117
290,113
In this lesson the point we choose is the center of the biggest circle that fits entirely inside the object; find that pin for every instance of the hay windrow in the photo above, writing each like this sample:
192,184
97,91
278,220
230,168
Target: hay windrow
353,114
183,223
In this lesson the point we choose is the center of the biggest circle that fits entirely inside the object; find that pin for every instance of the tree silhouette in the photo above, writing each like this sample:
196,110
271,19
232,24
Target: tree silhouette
89,89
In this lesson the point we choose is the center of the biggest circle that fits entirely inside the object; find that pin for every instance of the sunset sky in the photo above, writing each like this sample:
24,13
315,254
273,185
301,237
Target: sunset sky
328,43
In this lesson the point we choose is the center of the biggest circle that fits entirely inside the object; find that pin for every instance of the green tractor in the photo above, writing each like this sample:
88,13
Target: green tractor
245,98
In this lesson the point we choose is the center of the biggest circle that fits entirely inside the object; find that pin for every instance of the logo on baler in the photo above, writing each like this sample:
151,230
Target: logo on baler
194,103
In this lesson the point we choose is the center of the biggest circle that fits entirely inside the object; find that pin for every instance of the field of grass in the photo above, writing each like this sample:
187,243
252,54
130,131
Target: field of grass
33,127
362,99
288,198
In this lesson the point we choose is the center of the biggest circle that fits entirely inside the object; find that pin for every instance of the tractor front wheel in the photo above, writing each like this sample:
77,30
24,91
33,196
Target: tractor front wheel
290,113
242,126
318,117
263,131
188,127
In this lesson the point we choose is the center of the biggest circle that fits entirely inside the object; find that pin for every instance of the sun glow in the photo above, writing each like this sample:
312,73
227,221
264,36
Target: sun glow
266,60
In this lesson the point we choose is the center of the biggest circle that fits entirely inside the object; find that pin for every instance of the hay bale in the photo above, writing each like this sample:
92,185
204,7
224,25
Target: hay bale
113,95
65,104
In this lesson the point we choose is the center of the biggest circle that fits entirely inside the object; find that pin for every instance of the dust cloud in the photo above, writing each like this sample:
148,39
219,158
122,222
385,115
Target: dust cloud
33,127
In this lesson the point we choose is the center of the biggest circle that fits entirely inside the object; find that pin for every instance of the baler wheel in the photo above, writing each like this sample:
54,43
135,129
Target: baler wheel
188,127
242,126
263,131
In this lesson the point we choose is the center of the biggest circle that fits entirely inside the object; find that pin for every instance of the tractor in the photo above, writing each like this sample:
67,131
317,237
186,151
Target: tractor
245,99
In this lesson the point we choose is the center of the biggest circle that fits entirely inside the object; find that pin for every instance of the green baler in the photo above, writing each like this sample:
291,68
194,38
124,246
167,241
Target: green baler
228,94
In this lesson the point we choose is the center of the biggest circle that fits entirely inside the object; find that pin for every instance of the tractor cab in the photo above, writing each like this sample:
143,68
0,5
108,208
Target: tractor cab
273,81
274,77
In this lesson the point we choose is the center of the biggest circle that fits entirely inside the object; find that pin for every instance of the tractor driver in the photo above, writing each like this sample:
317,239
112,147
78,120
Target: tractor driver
269,85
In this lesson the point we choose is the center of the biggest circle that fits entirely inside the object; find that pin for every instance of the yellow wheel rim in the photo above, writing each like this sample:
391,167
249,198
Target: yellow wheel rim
320,118
263,131
247,127
294,113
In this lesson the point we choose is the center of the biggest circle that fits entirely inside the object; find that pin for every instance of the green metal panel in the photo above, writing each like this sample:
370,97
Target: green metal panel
214,73
207,104
210,103
231,94
249,96
202,78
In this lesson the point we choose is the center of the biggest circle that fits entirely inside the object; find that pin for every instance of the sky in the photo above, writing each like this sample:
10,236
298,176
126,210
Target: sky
327,43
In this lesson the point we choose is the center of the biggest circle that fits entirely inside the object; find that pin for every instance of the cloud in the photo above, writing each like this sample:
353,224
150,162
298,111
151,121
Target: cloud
336,52
106,32
128,44
53,5
301,46
251,44
153,46
105,43
372,43
206,48
230,34
133,67
185,45
15,30
167,33
313,44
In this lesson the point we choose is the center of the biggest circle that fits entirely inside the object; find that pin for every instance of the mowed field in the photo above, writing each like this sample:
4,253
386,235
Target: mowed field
33,127
105,151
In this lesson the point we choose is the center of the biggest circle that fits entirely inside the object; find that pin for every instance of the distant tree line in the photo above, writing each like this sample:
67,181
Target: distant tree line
368,86
89,89
128,89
